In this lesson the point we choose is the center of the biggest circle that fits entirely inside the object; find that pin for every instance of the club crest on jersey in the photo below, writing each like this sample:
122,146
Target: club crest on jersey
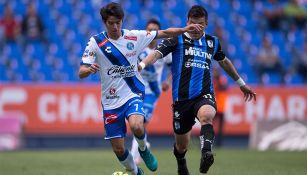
130,46
113,95
112,91
210,43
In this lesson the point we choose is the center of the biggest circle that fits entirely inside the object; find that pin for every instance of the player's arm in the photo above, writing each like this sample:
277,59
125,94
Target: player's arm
149,60
163,49
173,32
232,72
168,63
226,64
88,63
85,70
167,83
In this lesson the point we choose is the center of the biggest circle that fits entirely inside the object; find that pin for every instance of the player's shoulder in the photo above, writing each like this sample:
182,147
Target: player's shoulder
132,32
132,35
97,36
171,39
210,37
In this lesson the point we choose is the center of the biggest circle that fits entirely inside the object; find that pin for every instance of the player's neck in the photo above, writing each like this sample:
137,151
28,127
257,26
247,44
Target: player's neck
114,36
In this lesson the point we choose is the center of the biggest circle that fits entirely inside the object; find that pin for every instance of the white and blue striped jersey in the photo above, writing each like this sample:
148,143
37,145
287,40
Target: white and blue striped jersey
118,59
152,74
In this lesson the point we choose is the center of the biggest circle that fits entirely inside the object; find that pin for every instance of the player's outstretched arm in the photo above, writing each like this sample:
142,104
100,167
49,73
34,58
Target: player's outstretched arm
226,64
173,32
86,70
150,59
167,83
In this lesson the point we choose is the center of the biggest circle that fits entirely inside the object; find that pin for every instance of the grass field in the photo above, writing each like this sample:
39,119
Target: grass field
103,162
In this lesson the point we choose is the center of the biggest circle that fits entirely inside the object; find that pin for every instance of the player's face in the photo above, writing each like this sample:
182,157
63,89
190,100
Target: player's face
114,27
153,27
202,21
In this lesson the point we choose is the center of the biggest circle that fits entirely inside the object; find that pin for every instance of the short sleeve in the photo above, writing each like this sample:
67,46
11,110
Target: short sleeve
219,54
167,46
89,54
145,37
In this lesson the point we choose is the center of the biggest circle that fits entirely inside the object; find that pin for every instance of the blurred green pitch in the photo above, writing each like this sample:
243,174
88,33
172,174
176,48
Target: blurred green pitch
103,162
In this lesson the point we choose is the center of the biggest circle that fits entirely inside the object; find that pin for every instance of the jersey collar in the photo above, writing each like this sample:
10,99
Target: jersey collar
106,34
188,35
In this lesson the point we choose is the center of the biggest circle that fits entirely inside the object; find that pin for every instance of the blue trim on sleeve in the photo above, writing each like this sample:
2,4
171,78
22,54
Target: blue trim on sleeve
216,44
81,63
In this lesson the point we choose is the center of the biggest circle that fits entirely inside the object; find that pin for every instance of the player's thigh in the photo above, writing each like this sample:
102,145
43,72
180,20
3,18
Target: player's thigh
118,146
136,123
114,124
183,140
135,115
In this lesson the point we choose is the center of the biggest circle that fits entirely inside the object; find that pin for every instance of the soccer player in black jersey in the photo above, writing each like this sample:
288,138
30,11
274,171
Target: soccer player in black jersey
192,87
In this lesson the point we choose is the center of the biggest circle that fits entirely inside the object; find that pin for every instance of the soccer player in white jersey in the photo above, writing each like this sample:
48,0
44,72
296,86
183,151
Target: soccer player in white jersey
152,76
114,53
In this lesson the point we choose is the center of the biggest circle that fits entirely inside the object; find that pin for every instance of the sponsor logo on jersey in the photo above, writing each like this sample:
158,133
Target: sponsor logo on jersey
134,38
86,53
177,114
121,71
194,51
108,49
130,46
196,63
210,43
110,118
131,54
102,43
113,95
112,91
91,54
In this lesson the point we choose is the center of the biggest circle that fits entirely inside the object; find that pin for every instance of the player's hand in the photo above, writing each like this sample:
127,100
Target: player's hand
94,68
194,27
249,94
139,68
165,86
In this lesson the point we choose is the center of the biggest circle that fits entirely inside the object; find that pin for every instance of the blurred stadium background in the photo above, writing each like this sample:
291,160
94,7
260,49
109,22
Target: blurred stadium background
43,103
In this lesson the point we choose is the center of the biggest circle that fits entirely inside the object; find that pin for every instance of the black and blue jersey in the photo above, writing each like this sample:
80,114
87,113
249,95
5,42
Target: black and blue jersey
191,66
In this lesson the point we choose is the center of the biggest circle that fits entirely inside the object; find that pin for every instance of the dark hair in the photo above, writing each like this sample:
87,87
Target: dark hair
197,11
112,9
153,21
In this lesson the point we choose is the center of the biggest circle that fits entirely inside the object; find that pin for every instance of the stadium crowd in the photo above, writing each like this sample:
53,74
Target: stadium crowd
42,41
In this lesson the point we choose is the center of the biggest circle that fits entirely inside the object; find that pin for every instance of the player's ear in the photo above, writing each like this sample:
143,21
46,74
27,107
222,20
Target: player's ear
206,23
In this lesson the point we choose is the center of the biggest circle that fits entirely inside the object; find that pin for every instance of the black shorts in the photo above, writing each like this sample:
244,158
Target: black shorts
185,112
